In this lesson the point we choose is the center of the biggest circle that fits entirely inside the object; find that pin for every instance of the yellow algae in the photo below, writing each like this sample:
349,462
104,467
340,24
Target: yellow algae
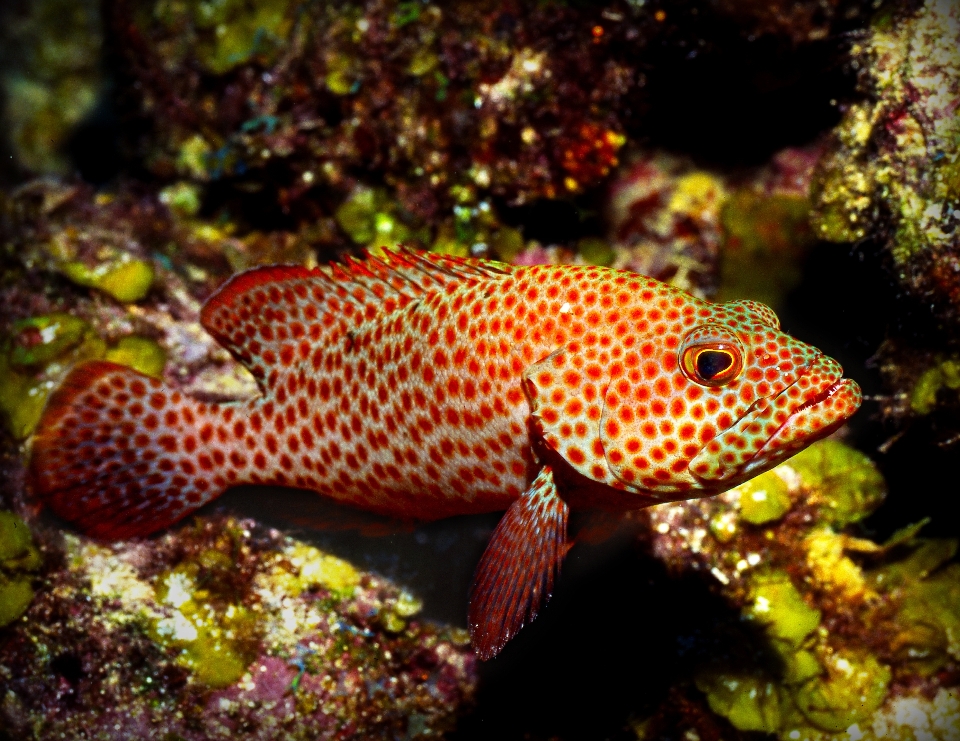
923,396
140,353
424,60
407,605
778,605
316,568
343,74
18,557
125,278
193,157
852,689
216,641
699,195
763,499
832,567
750,703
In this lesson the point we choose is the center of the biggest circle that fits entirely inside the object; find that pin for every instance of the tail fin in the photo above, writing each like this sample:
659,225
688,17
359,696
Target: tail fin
118,453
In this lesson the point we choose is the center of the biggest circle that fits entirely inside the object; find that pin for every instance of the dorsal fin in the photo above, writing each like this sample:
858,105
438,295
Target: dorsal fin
282,311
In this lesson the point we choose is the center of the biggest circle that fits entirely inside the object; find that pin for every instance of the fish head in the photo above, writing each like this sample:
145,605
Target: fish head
715,397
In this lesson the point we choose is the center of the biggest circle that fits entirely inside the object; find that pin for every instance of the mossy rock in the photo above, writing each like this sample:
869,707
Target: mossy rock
750,703
140,353
778,605
32,361
763,499
844,483
123,277
18,559
852,689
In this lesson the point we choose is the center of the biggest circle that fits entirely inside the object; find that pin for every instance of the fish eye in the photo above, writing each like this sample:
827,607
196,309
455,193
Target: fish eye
712,363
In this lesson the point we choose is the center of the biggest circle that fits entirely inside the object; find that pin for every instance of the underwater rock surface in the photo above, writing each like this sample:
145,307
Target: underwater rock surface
223,628
839,634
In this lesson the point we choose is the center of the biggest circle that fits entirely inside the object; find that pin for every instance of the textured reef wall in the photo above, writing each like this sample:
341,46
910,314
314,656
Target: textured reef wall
802,154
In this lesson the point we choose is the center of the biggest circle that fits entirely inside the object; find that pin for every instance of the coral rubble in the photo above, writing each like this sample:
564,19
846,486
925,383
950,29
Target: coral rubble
219,629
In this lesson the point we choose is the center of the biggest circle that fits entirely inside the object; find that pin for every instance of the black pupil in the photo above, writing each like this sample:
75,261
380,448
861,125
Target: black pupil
711,363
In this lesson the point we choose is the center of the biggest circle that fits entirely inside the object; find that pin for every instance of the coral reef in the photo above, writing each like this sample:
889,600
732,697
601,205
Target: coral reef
890,179
219,629
448,104
840,635
892,169
51,79
273,131
714,234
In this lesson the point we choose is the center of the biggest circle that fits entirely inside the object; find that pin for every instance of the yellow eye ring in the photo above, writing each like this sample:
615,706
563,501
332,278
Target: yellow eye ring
712,363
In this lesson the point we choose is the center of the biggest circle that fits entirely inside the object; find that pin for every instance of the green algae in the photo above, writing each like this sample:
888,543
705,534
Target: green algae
33,359
919,574
229,33
215,640
845,483
750,703
818,686
596,251
369,218
182,198
777,605
40,350
764,499
52,79
507,243
140,353
945,373
40,340
18,558
852,689
125,278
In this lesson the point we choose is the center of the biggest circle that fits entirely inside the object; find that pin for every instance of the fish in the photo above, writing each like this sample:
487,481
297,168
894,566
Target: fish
420,386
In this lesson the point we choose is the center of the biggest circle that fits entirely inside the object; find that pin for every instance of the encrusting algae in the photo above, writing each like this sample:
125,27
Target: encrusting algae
19,559
849,633
222,627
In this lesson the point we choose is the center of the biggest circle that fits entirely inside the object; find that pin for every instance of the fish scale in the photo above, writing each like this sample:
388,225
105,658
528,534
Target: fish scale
421,386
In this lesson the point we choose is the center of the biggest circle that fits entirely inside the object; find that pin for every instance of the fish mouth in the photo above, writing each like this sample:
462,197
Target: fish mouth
775,427
826,400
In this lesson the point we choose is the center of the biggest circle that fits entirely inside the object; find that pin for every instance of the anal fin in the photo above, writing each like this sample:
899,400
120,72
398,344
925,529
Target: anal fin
518,569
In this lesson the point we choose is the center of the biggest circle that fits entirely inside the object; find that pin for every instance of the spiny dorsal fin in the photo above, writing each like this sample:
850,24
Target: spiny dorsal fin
282,311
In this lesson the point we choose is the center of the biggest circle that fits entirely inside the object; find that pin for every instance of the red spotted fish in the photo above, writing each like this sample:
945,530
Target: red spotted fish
421,386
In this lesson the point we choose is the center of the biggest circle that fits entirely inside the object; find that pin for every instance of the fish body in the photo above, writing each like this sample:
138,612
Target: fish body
420,386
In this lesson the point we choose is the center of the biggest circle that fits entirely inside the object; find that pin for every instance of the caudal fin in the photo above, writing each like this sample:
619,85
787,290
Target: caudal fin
117,453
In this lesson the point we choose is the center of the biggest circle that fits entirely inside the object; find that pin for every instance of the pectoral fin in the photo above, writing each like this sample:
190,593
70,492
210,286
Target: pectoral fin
518,569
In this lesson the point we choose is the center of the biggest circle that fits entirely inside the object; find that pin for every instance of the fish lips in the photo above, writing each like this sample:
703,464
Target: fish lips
777,426
824,405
